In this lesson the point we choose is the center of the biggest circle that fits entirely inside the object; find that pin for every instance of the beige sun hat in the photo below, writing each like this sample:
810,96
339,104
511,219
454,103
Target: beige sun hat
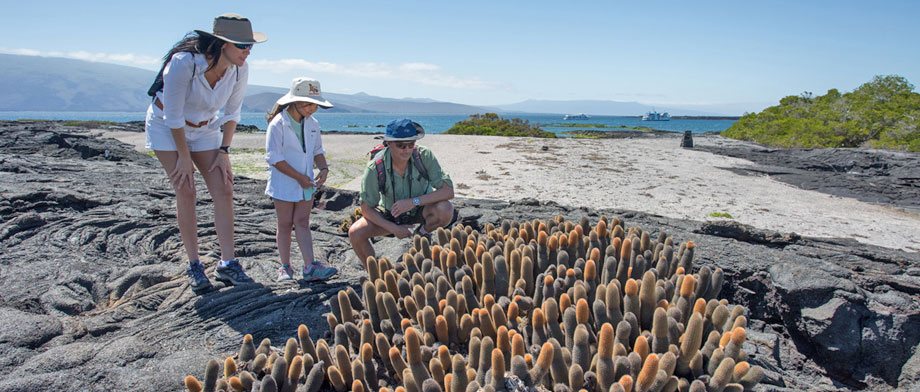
305,90
235,29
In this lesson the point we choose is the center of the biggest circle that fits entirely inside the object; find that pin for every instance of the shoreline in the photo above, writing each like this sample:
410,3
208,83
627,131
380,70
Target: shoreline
652,175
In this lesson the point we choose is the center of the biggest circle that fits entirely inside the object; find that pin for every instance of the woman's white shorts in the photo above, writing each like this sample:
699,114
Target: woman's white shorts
160,138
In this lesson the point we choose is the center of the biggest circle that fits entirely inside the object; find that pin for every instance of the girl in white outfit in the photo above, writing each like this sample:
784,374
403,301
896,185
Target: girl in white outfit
190,123
294,151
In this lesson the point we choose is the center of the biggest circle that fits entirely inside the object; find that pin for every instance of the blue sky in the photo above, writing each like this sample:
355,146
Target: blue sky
734,55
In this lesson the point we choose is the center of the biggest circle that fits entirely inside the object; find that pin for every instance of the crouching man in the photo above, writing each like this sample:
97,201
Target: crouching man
403,187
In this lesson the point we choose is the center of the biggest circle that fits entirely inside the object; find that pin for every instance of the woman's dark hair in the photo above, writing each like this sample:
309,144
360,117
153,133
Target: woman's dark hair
206,44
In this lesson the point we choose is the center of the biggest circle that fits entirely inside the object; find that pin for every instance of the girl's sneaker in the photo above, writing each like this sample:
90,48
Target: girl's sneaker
197,279
285,273
317,271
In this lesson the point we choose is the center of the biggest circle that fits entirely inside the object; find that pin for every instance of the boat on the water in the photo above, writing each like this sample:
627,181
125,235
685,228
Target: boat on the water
579,116
655,116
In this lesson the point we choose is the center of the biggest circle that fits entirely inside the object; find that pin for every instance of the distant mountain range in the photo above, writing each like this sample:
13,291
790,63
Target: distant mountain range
32,83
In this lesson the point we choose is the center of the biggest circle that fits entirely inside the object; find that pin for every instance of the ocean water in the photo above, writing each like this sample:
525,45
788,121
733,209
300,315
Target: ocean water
374,122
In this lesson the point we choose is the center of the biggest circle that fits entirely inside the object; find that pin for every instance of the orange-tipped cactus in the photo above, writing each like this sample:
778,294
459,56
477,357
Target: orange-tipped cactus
517,345
294,370
606,374
543,363
229,367
641,347
336,378
626,382
247,349
582,311
441,330
647,374
631,299
236,384
498,370
192,384
414,355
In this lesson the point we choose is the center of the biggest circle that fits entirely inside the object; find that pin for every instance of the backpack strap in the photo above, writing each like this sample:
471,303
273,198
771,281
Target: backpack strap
381,172
417,162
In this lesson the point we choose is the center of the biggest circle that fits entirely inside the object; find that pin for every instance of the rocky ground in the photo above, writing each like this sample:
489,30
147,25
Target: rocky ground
95,298
875,176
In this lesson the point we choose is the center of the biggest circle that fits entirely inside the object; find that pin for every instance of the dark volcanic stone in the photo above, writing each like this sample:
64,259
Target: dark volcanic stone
876,176
27,330
95,296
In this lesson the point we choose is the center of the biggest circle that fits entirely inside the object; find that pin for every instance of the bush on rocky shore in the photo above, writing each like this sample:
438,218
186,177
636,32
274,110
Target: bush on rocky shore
883,113
491,124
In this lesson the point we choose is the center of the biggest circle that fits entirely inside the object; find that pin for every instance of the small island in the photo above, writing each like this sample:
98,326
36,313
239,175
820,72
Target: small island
491,124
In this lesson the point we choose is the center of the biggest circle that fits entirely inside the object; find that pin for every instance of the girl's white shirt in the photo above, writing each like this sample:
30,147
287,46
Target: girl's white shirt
188,97
282,144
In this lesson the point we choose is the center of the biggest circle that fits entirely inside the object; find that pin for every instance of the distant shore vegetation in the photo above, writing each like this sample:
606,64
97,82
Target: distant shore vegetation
491,124
883,113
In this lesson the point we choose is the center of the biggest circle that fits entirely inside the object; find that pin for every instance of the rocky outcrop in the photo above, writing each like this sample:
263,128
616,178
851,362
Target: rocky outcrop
95,296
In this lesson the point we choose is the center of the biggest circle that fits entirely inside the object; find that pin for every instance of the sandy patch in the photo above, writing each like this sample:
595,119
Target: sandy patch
650,175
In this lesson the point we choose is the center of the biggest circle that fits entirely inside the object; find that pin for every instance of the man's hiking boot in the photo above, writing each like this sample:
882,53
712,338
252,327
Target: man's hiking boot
232,274
317,271
197,279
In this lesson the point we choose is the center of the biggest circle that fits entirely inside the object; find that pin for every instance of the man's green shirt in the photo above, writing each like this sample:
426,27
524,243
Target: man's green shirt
370,193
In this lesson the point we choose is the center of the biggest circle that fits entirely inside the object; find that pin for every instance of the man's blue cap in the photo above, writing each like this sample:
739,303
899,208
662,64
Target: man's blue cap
403,130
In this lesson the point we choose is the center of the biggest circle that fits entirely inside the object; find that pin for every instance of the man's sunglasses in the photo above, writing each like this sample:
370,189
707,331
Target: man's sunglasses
243,46
403,145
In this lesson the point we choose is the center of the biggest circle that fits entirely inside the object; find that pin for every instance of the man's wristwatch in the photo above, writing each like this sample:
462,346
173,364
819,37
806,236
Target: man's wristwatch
225,149
416,201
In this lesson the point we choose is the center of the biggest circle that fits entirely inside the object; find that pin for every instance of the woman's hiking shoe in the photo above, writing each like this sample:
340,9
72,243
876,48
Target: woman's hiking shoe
285,273
317,271
197,279
232,273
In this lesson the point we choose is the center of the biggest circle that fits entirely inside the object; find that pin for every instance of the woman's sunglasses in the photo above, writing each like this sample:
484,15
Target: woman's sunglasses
243,46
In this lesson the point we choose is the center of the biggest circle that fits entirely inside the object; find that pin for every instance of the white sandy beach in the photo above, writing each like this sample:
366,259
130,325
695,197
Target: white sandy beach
649,175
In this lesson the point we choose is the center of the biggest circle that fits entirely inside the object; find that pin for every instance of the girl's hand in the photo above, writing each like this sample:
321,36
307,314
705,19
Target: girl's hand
222,163
183,174
304,181
321,177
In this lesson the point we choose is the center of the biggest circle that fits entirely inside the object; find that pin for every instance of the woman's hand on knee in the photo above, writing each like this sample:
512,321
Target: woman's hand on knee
183,174
222,164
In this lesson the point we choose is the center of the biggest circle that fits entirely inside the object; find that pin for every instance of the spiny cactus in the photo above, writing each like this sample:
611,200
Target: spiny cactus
192,384
247,349
211,373
569,289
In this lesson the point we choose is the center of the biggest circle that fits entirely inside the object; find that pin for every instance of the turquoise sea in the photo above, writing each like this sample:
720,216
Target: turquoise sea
374,122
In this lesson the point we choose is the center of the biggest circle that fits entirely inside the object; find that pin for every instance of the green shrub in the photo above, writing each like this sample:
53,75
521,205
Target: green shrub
883,113
491,124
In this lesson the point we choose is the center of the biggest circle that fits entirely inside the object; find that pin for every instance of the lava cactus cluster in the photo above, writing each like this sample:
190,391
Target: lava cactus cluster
548,305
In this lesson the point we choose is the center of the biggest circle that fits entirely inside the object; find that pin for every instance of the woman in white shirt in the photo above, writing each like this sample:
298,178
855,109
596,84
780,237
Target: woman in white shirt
293,145
190,123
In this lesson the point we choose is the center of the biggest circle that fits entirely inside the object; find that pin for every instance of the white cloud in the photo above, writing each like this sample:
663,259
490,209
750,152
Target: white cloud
421,73
117,58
